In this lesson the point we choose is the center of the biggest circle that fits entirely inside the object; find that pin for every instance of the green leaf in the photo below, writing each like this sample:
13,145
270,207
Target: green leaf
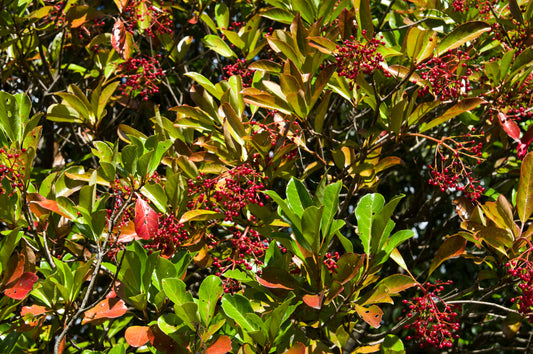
364,18
279,15
163,269
365,212
298,196
331,205
285,210
383,225
397,283
311,218
156,194
462,106
463,33
205,83
200,215
103,98
306,8
421,110
397,238
452,247
237,130
524,195
237,307
208,294
14,112
222,15
9,241
74,102
218,45
265,65
266,100
286,49
175,290
392,345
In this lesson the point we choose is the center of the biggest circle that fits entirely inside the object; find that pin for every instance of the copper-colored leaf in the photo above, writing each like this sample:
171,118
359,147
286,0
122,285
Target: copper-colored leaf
137,336
127,233
22,286
509,126
276,278
221,346
297,348
146,220
371,315
14,270
452,247
50,205
105,309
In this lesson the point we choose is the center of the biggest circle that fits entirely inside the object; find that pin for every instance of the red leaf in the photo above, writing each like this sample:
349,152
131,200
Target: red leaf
297,348
105,309
22,287
35,310
146,220
371,315
28,322
118,36
509,126
137,336
526,140
221,346
314,301
121,40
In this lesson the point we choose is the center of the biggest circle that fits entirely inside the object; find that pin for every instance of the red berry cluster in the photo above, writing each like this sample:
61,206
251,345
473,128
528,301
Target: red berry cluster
440,76
247,247
274,130
159,18
465,5
522,268
239,68
170,235
12,169
516,99
228,193
354,57
450,170
436,322
141,76
330,261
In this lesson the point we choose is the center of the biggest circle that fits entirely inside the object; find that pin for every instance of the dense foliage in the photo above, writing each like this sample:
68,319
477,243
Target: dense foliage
276,176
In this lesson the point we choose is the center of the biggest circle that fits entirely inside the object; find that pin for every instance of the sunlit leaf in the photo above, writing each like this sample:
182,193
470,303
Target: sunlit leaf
451,247
22,286
137,336
221,346
466,32
371,315
146,220
105,309
509,126
524,196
